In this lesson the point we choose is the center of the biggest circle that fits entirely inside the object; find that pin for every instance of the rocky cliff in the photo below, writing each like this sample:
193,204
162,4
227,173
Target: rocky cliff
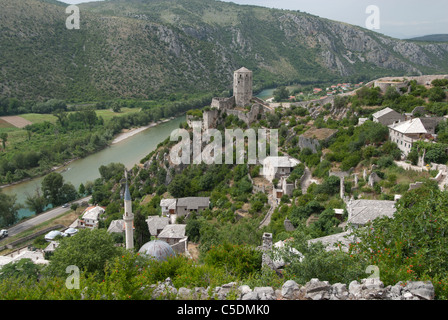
151,48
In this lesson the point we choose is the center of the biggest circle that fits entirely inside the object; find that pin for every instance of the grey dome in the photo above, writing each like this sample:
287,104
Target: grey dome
157,249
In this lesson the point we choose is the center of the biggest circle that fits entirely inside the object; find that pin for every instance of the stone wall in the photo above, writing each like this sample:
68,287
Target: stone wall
210,119
247,116
223,103
368,289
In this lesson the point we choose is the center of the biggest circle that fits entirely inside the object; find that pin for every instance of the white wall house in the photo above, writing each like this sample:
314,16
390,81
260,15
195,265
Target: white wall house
404,134
276,167
90,217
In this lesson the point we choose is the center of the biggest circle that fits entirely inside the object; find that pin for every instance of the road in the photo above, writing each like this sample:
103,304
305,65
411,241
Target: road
30,223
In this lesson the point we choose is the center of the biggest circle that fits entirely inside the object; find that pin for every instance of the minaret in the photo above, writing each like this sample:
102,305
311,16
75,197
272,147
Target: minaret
128,217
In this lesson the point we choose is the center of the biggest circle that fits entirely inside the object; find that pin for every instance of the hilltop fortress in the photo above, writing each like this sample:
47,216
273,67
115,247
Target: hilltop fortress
242,104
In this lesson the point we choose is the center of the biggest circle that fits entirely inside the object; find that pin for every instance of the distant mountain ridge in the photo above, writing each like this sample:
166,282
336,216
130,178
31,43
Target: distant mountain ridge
149,48
432,37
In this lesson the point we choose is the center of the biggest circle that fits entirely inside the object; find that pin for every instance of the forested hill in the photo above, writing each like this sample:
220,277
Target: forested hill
147,48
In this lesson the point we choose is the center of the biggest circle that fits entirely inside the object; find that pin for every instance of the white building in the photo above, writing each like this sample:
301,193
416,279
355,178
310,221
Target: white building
404,134
90,217
276,167
168,206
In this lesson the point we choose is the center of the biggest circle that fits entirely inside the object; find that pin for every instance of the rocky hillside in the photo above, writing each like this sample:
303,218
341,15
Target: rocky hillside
147,48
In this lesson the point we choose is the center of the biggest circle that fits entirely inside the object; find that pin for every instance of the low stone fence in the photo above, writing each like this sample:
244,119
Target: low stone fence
368,289
13,244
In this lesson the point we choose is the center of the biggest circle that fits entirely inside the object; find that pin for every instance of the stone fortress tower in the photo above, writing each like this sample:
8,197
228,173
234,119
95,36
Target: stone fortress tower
242,98
242,87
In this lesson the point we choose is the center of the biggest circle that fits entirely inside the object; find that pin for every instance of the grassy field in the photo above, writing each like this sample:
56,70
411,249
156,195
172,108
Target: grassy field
38,118
17,135
108,114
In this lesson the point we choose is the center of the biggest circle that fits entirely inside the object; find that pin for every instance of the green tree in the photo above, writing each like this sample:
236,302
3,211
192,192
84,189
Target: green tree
141,233
193,230
36,202
88,250
179,186
436,94
82,190
22,269
51,187
8,209
411,245
4,137
281,93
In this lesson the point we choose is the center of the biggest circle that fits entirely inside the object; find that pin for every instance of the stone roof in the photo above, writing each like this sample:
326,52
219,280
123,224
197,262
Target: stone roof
116,226
169,203
414,126
35,256
362,211
384,112
193,203
127,195
173,231
158,249
156,223
243,69
92,212
281,162
345,238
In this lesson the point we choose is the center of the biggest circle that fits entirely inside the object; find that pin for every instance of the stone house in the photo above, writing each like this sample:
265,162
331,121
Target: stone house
277,167
286,188
90,217
174,208
156,224
168,206
360,212
388,116
188,205
404,134
116,226
172,233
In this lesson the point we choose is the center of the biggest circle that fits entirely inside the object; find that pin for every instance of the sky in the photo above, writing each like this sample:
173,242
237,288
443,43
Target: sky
398,18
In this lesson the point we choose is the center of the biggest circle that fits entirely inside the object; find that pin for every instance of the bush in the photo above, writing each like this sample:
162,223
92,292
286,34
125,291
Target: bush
238,260
412,245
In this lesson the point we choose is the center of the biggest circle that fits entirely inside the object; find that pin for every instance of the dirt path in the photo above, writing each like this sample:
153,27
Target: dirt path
16,121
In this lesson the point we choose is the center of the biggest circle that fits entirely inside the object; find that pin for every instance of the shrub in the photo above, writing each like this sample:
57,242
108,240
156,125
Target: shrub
238,260
412,245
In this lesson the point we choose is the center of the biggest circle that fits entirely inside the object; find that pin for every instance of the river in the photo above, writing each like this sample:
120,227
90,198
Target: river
128,152
266,94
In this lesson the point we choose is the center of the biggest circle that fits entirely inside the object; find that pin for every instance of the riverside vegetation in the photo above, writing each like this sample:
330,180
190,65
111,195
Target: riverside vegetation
410,247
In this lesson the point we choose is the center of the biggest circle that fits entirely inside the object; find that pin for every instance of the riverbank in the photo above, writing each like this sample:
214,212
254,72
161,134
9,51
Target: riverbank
66,163
127,134
119,138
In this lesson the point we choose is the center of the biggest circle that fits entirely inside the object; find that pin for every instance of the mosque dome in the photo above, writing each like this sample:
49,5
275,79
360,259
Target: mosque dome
157,249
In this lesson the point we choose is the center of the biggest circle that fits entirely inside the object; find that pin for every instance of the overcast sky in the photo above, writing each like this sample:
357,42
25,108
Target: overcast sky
398,18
